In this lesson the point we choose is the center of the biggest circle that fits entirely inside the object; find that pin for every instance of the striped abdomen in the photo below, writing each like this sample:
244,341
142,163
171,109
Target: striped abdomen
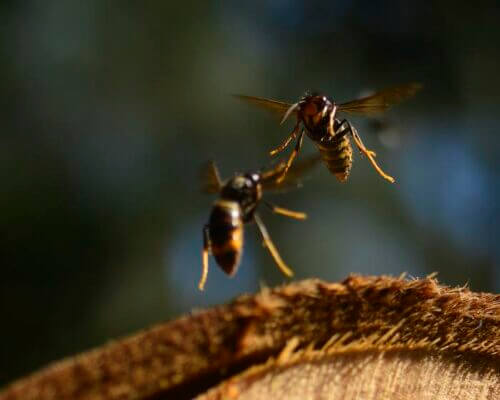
225,228
337,154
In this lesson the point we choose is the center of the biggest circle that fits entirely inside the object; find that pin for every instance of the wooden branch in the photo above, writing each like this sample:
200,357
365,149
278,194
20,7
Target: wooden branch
371,337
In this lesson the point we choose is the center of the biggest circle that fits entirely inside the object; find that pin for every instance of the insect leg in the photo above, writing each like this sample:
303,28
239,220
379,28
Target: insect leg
368,153
287,141
270,246
289,162
331,121
285,212
204,257
342,129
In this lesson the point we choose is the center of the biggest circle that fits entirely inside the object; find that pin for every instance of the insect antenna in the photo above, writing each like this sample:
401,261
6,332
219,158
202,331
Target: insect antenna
289,112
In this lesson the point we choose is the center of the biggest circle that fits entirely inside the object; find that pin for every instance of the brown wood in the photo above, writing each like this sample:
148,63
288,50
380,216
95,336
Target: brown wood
377,322
356,372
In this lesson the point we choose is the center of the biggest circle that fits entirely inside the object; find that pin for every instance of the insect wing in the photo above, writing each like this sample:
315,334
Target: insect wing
210,178
293,177
278,107
380,101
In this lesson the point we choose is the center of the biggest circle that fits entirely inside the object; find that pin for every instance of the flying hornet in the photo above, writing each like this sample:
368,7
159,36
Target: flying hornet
317,117
237,205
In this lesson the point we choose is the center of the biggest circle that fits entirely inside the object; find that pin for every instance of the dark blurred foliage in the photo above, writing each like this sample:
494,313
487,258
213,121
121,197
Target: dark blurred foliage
110,107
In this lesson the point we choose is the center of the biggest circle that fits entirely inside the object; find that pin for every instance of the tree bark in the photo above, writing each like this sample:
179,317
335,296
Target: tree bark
363,338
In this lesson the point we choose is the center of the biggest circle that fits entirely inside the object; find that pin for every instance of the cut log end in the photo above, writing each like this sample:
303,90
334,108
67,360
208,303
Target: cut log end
365,337
355,374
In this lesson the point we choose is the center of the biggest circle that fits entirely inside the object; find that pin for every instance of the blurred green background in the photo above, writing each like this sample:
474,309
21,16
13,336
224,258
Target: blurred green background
110,108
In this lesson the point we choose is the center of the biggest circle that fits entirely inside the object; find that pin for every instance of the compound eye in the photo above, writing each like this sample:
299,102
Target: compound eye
321,102
255,177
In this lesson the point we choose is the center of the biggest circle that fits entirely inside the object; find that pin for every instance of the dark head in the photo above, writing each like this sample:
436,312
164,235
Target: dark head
314,104
246,190
314,110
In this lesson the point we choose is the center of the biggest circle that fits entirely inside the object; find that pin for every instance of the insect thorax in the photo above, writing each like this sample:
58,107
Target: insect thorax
246,191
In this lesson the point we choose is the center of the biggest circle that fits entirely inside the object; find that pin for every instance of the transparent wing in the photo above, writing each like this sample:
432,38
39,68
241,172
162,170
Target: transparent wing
275,106
294,175
380,101
210,178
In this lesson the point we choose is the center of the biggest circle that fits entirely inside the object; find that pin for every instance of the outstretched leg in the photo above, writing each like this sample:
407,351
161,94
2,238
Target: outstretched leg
368,153
285,212
204,257
289,162
270,246
287,141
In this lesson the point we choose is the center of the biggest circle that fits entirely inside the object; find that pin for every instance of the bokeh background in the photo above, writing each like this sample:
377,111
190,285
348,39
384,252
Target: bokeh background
110,107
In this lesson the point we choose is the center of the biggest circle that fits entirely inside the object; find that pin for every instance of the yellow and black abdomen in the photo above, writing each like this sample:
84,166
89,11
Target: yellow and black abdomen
337,154
225,228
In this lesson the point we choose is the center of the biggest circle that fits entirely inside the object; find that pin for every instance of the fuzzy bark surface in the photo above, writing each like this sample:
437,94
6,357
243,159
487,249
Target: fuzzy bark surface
318,339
